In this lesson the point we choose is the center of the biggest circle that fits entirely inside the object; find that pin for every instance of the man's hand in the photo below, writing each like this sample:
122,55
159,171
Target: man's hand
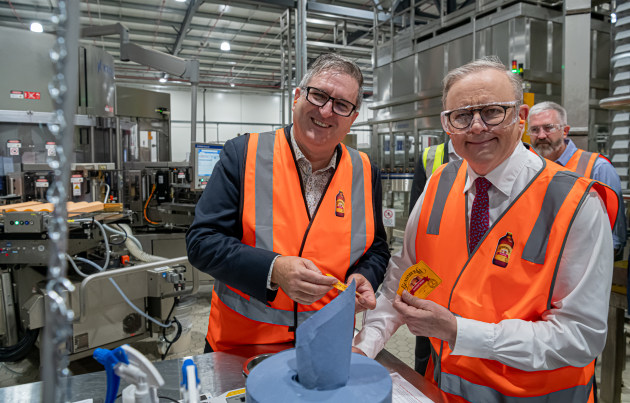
358,351
300,279
367,300
426,318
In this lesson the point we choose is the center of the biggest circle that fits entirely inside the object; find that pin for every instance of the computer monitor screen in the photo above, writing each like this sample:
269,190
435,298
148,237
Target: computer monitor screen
205,157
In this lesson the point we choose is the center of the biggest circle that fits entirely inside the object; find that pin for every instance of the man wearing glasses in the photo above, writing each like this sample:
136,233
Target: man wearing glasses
548,130
287,214
523,250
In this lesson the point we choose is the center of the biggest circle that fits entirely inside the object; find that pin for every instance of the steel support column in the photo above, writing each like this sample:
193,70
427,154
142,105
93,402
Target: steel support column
576,37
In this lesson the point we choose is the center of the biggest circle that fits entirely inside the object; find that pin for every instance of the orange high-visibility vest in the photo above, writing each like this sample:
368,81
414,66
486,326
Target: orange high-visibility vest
582,162
275,217
474,286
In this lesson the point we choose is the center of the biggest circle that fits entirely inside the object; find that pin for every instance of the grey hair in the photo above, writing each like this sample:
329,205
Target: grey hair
550,106
485,63
337,63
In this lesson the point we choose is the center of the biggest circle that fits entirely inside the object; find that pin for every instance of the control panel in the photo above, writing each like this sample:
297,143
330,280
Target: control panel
204,157
25,222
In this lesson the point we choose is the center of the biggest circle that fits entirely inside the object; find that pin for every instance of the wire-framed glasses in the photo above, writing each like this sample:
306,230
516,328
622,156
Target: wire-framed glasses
536,131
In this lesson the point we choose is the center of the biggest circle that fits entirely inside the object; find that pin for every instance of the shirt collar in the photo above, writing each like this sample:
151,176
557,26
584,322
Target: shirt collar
452,154
503,176
302,160
568,152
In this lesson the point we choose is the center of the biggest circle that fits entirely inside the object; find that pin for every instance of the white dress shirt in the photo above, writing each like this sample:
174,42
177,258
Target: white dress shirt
571,333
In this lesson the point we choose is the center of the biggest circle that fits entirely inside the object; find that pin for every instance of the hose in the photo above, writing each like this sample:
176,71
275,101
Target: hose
124,232
103,233
99,268
135,251
122,294
106,193
144,211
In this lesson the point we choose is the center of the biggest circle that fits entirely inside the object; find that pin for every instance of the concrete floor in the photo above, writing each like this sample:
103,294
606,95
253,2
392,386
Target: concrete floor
401,345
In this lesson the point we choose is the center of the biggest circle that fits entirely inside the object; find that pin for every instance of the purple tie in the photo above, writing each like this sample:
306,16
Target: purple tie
479,213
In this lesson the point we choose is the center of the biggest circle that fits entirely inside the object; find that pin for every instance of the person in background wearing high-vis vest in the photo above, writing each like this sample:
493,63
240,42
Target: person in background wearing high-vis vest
548,130
283,209
432,158
523,248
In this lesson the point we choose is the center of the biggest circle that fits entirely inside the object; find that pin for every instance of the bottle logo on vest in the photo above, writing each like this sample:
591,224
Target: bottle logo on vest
340,204
504,250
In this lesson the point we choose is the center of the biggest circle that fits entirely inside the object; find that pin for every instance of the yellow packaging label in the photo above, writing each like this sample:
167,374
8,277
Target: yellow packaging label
339,285
419,280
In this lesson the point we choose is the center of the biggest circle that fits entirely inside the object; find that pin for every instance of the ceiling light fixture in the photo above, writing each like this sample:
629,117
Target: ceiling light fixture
37,27
180,1
164,78
225,46
232,85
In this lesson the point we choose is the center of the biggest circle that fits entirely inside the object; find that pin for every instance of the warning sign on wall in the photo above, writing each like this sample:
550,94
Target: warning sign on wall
14,147
16,94
389,217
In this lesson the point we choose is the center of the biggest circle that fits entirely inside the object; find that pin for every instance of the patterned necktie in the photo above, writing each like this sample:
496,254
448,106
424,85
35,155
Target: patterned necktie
479,213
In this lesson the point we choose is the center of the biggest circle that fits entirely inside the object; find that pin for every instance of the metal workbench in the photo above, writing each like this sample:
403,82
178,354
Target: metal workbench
219,372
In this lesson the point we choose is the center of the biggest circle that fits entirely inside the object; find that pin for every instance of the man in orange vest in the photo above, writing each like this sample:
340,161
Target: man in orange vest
548,130
523,252
287,214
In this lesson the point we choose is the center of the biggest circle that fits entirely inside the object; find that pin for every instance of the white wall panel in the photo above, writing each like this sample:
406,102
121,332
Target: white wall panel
228,114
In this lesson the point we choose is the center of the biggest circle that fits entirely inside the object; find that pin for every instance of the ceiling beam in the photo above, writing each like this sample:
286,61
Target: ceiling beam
353,13
184,28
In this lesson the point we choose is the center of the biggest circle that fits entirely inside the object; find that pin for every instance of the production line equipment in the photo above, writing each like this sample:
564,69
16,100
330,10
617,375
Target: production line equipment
121,293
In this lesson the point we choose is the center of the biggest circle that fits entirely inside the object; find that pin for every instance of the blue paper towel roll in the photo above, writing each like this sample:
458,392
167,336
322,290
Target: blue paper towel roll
274,380
322,367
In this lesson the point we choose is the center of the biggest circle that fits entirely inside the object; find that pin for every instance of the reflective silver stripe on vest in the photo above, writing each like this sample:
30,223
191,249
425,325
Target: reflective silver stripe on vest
447,178
264,191
358,235
257,310
557,191
455,385
428,168
583,163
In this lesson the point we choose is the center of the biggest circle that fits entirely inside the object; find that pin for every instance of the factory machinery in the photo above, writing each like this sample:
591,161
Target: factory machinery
129,206
560,49
116,282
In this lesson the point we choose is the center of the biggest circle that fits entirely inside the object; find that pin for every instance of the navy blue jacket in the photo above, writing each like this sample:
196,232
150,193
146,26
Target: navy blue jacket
213,240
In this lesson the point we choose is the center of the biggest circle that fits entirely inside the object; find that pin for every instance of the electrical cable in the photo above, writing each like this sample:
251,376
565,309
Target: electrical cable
121,242
74,266
179,329
99,268
104,234
135,308
5,366
144,211
168,398
127,232
20,350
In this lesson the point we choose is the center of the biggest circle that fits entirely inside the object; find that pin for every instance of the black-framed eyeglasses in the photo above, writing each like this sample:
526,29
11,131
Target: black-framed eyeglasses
320,98
490,114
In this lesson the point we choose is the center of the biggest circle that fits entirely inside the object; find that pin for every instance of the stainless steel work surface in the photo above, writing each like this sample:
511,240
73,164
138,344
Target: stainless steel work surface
219,372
